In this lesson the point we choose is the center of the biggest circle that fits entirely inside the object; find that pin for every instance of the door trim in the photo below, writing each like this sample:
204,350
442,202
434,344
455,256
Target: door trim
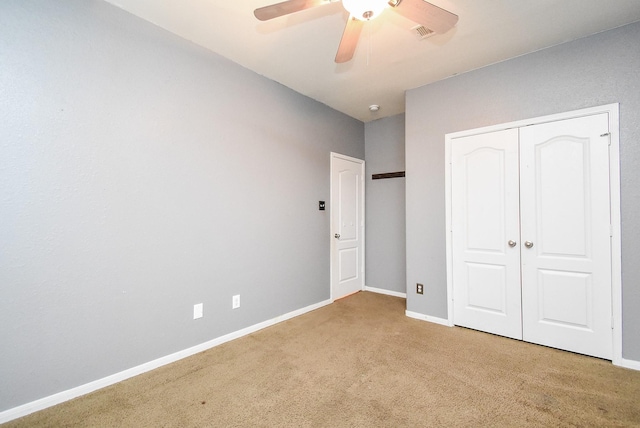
614,179
332,226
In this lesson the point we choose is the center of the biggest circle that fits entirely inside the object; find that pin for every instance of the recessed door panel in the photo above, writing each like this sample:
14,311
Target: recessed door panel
486,268
486,288
348,194
485,169
562,193
555,288
348,264
566,268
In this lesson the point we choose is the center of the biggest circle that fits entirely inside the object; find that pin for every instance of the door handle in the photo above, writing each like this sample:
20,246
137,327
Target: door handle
528,244
512,243
337,236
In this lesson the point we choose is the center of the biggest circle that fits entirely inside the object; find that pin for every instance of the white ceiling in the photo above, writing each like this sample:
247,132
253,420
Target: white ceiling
298,50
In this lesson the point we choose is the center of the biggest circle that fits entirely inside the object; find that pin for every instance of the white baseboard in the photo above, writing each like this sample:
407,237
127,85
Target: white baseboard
52,400
629,364
383,291
423,317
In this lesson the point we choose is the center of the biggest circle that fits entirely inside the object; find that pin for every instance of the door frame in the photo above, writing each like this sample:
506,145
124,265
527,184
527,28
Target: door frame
614,187
332,226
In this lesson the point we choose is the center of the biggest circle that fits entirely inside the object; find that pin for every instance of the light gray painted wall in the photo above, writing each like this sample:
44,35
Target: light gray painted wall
141,174
385,201
593,71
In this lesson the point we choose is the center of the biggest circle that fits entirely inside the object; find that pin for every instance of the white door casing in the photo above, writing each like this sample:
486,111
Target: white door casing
347,225
486,252
562,263
565,216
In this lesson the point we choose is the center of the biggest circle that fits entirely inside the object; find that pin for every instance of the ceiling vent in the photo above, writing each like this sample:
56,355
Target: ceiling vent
422,31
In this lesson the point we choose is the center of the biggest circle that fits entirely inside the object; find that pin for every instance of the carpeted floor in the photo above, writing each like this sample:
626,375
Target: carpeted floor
361,362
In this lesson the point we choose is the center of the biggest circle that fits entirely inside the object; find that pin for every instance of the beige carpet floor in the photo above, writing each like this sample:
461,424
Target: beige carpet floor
360,362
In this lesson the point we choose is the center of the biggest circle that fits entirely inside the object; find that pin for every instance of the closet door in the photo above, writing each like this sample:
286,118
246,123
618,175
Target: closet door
485,233
565,222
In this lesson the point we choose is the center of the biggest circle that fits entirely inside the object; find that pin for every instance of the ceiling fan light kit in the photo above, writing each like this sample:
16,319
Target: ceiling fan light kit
421,12
364,10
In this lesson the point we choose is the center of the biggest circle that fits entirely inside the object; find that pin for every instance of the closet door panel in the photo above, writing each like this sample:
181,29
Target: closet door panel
565,231
486,269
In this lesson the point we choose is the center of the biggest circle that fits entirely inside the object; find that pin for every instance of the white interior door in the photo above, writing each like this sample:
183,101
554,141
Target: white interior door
485,233
347,225
565,222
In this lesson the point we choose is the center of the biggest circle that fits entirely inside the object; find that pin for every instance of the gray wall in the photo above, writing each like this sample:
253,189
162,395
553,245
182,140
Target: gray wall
597,70
141,174
385,201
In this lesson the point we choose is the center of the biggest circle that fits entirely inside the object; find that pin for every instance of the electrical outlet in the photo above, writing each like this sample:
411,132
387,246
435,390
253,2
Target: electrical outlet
197,311
235,302
419,288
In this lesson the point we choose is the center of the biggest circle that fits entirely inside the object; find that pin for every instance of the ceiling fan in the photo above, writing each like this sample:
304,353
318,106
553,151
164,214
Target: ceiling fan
426,14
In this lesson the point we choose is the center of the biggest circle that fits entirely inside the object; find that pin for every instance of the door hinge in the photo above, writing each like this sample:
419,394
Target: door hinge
610,230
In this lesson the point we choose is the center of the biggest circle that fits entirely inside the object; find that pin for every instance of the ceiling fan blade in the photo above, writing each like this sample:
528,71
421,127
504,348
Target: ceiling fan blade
349,40
426,14
285,8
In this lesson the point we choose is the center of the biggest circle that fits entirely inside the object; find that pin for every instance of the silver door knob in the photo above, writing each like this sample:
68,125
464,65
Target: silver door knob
337,236
528,244
512,243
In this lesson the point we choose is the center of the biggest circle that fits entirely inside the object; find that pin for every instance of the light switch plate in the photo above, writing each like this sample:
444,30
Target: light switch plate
235,303
198,311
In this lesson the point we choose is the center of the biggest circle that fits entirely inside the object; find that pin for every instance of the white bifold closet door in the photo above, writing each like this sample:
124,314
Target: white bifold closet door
485,218
531,234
